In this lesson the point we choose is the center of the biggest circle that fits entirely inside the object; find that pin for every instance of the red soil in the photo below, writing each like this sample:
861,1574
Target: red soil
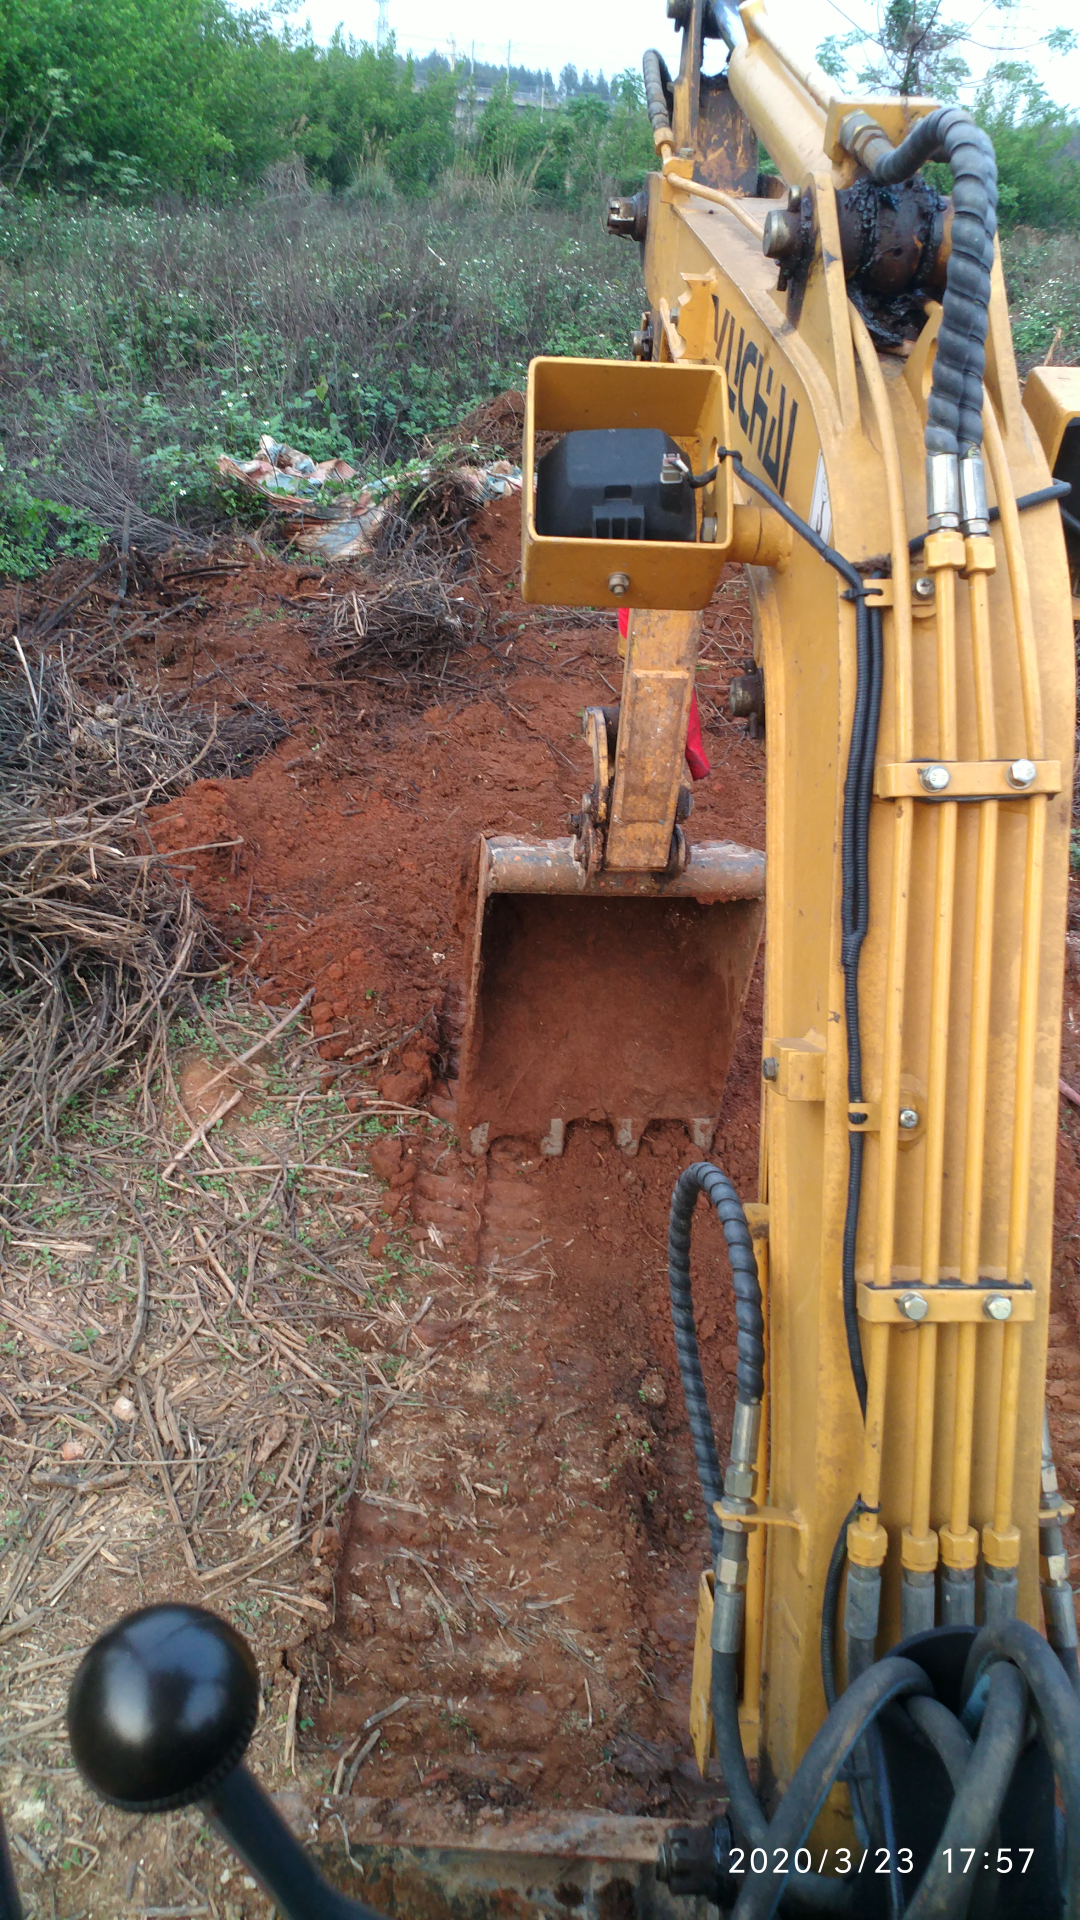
339,872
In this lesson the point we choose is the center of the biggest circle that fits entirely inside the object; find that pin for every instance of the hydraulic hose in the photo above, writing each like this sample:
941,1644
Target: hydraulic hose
854,1713
954,408
1008,1664
1057,1714
657,88
979,1793
950,1741
704,1178
806,1892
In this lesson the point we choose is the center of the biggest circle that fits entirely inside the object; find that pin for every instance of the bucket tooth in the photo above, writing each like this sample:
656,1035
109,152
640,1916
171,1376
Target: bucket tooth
554,1140
628,1132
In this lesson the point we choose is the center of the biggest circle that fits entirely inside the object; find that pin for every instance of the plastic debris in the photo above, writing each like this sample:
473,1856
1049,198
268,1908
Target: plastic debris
323,515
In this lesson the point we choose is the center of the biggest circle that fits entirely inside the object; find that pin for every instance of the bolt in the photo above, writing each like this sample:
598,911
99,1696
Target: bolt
1021,773
770,1068
998,1306
909,1119
618,584
923,587
934,779
782,234
914,1306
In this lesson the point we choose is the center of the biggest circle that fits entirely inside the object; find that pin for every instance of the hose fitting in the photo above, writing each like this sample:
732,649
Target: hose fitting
974,512
942,492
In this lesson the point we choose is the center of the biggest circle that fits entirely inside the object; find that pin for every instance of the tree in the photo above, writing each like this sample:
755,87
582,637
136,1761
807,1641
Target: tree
1037,147
914,47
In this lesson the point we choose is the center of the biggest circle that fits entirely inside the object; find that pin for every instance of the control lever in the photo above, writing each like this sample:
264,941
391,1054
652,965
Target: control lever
159,1716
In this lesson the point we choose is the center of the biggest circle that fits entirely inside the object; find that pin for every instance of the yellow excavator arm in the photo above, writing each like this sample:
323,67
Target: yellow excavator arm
827,350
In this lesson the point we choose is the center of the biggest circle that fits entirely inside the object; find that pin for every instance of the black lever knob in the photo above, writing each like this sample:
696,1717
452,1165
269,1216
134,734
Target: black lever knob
162,1708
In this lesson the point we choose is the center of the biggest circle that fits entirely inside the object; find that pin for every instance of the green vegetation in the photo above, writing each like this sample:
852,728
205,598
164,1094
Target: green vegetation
138,344
125,97
212,229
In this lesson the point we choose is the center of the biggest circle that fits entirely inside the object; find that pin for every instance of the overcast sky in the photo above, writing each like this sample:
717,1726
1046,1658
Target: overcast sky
613,34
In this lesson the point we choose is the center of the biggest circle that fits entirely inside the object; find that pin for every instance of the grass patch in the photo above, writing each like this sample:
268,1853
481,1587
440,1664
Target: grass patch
138,344
1042,273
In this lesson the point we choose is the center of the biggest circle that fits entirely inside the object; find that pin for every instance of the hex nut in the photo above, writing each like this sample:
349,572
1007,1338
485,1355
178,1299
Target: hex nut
934,779
909,1119
739,1483
914,1306
618,584
770,1068
1021,773
998,1306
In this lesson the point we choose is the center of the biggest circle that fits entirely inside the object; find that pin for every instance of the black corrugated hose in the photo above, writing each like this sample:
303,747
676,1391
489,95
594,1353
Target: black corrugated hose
657,89
954,408
704,1178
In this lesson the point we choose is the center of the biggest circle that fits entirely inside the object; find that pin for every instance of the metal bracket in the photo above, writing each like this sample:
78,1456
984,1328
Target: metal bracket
800,1067
909,1303
968,780
758,1517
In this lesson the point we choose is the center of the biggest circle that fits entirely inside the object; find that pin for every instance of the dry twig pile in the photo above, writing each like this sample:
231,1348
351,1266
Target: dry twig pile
97,936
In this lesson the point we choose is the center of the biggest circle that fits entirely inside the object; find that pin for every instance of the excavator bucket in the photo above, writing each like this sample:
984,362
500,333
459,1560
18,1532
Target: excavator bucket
614,997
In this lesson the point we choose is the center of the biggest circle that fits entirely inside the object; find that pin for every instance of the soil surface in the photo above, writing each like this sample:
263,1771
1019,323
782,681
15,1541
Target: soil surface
515,1596
541,1565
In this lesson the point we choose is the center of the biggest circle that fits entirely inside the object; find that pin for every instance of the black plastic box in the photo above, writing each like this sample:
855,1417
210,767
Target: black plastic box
605,485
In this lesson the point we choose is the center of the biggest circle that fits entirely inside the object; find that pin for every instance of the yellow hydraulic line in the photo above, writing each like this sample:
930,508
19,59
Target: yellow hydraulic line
942,558
944,553
1015,559
1002,1541
1031,697
1026,1036
980,561
958,1540
714,195
919,1543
